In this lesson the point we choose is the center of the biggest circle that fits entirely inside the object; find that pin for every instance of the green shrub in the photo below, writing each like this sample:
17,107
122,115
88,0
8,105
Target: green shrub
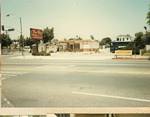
143,51
147,54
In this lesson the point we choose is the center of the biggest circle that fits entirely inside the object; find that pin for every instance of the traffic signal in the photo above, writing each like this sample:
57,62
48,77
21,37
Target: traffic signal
3,28
11,29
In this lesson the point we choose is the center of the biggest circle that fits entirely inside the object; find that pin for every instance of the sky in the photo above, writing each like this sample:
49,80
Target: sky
100,18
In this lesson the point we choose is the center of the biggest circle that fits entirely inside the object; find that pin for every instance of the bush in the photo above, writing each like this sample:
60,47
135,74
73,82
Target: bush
41,54
143,51
147,54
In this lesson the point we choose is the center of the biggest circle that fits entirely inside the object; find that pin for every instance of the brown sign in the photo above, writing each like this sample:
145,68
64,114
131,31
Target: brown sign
36,33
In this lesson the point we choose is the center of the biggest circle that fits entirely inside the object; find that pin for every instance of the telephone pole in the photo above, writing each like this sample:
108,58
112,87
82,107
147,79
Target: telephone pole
0,31
21,36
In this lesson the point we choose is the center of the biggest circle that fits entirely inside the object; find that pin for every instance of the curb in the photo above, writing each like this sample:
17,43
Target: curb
130,58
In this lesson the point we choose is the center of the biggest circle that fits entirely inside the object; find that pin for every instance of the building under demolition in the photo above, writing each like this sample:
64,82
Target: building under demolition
78,45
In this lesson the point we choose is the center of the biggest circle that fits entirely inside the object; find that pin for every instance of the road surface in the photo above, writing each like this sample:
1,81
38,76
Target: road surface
75,83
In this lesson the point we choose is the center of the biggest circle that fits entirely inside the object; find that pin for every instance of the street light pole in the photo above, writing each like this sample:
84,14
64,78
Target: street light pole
21,36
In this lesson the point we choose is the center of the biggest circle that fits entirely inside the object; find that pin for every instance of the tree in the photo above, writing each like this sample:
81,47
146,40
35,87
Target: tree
148,18
48,35
21,40
29,42
106,41
139,42
146,38
92,37
77,38
5,40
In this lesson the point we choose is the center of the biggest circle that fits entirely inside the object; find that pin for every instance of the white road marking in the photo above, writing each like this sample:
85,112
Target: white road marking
9,75
72,68
112,96
25,63
4,78
7,101
12,72
121,72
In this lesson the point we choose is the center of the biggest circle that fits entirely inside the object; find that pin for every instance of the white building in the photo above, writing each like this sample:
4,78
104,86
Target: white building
147,47
121,41
124,38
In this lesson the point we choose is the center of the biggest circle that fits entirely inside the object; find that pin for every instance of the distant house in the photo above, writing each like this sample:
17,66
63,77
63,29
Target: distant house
124,38
147,47
78,45
121,41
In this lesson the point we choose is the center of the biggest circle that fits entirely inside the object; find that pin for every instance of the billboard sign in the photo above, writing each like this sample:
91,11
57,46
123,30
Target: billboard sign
36,34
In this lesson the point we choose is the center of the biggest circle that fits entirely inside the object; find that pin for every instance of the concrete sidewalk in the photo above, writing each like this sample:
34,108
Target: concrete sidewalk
78,56
133,57
69,56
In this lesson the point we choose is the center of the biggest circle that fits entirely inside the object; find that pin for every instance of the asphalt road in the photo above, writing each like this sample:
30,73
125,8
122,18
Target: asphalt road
75,83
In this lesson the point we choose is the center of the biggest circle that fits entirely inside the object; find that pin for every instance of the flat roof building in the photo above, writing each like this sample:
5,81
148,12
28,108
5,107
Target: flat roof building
121,42
78,45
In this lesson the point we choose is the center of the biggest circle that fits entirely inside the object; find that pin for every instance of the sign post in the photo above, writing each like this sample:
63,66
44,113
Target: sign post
36,34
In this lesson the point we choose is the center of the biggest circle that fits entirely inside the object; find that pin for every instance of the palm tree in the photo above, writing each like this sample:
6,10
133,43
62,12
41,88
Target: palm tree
148,18
92,37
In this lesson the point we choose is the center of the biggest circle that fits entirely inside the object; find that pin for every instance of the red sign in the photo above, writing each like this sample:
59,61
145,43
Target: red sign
36,33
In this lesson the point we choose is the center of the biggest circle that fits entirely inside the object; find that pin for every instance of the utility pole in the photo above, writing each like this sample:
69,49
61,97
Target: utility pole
21,37
0,58
0,30
145,33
